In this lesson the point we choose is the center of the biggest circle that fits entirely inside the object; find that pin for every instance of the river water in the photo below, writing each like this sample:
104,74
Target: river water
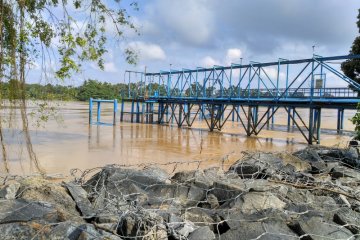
72,143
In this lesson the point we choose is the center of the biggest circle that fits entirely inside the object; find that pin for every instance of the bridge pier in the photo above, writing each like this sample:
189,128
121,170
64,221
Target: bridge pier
340,121
122,110
132,111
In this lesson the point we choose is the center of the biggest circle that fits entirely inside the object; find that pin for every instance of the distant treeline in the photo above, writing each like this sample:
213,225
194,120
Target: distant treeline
90,88
95,89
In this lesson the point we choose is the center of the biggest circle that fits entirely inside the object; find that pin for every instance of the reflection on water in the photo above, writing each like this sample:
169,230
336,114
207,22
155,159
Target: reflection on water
75,144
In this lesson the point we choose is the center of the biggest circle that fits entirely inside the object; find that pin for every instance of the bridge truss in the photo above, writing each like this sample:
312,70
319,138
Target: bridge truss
236,92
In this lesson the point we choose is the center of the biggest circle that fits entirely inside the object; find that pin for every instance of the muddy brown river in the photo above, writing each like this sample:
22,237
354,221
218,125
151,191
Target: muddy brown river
72,143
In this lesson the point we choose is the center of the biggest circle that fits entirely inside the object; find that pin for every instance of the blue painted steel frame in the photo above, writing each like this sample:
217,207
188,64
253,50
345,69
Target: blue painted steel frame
218,77
98,116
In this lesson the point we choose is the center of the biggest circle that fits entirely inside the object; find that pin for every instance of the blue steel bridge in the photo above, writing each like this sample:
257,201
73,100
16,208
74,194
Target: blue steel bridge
236,92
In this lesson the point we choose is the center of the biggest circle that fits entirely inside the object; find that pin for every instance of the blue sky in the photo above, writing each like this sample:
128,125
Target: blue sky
191,33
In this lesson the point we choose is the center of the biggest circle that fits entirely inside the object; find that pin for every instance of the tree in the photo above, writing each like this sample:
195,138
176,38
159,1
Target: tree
33,30
351,68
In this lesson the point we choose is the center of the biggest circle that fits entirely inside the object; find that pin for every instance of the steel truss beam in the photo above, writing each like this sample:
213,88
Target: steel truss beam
216,115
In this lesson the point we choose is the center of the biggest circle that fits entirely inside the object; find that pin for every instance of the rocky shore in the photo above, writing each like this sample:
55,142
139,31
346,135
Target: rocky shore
310,194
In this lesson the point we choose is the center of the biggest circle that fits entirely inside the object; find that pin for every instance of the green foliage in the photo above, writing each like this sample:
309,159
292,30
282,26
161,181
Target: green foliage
351,68
356,121
47,31
95,89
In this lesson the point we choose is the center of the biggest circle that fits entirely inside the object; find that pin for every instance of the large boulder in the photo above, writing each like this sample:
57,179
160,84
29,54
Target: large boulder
263,165
39,189
317,228
20,210
80,197
202,233
272,229
200,217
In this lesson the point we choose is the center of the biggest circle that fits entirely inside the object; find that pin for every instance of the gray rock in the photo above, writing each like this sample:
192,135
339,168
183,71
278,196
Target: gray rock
225,190
349,219
12,211
17,231
196,177
344,172
65,230
195,195
89,232
255,201
202,233
117,180
319,229
141,223
10,190
257,165
311,155
351,153
185,229
199,217
274,230
80,197
162,193
37,189
175,221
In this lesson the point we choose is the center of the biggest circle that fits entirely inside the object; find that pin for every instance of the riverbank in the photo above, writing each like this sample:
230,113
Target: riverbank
310,194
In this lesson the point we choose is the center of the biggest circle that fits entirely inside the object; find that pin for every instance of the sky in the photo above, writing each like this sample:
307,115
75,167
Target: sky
203,33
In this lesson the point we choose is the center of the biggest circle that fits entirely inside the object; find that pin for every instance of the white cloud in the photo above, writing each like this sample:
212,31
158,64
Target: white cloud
186,20
233,55
209,62
148,51
110,67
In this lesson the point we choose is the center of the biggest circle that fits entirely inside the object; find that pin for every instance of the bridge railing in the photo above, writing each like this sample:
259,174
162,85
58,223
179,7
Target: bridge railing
303,78
252,93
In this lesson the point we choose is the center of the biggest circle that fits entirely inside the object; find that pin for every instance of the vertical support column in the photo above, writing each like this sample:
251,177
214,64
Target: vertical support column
340,120
98,112
238,110
90,110
293,114
203,110
222,110
312,82
318,127
188,113
268,118
233,114
273,117
115,111
311,125
289,118
142,112
167,113
152,113
132,110
137,112
249,117
180,114
255,114
315,120
147,113
287,81
212,116
160,111
122,111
